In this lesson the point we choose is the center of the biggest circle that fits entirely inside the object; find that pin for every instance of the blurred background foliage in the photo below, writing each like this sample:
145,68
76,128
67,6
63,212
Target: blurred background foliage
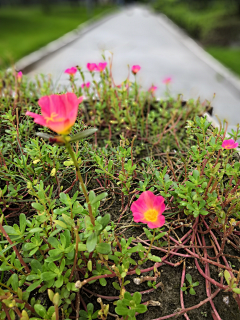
215,24
27,25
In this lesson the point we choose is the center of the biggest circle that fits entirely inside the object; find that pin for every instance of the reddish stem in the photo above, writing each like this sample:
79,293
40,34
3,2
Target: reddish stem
176,314
15,249
181,292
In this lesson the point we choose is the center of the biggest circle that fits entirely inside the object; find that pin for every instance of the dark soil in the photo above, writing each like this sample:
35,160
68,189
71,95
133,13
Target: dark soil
169,295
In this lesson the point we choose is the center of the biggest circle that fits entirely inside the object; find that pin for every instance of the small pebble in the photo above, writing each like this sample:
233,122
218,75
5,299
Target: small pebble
226,299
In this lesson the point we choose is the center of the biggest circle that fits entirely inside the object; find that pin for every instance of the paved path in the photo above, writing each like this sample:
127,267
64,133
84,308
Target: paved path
137,36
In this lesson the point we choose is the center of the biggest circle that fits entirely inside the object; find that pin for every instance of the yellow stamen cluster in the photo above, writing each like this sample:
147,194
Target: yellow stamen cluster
151,215
51,118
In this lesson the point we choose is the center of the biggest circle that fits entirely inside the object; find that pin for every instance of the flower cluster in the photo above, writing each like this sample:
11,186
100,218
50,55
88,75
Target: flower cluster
96,67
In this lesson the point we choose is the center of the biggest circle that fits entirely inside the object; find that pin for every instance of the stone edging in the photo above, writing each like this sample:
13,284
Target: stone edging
28,61
229,76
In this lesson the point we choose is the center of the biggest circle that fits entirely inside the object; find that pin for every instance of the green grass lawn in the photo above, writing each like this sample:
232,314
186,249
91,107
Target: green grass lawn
230,57
24,30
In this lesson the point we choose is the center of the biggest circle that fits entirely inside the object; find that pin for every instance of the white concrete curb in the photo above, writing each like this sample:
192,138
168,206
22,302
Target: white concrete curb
34,57
168,24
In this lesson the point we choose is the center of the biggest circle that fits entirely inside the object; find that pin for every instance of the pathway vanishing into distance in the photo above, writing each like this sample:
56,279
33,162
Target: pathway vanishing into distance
135,35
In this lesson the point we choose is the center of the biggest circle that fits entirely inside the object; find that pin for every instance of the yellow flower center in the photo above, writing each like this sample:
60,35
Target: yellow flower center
151,215
51,118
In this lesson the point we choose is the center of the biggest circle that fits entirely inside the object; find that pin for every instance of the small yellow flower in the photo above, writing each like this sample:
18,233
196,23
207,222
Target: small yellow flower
232,222
53,172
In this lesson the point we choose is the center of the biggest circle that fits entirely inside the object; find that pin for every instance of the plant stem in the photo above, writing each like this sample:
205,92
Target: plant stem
152,240
181,292
15,249
3,285
76,253
69,148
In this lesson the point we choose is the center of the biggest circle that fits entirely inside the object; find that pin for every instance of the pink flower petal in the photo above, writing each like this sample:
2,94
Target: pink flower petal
37,118
157,224
148,197
159,204
138,216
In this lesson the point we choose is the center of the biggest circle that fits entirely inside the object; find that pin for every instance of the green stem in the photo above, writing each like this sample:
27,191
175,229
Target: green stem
72,154
154,231
3,285
76,253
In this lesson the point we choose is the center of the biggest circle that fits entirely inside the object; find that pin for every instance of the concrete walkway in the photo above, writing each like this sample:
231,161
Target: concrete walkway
135,35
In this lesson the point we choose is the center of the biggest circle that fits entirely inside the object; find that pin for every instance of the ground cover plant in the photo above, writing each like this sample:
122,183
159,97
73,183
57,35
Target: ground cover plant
114,203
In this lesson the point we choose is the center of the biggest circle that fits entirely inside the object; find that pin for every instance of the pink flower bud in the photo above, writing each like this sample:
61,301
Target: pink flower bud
152,89
71,71
19,75
135,69
101,66
167,80
92,67
85,85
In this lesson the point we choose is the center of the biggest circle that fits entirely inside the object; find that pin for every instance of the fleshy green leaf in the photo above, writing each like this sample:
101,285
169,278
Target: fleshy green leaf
40,310
83,134
47,276
103,248
91,242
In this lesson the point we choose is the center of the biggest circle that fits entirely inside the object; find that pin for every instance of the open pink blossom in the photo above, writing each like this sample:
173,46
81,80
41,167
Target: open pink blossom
91,66
71,71
59,112
167,80
148,209
19,75
101,66
152,89
85,85
229,144
135,69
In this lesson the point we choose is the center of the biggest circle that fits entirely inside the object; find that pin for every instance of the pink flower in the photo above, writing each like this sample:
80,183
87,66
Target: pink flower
229,144
101,66
91,66
152,89
19,75
135,69
148,209
85,85
59,112
71,71
167,80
